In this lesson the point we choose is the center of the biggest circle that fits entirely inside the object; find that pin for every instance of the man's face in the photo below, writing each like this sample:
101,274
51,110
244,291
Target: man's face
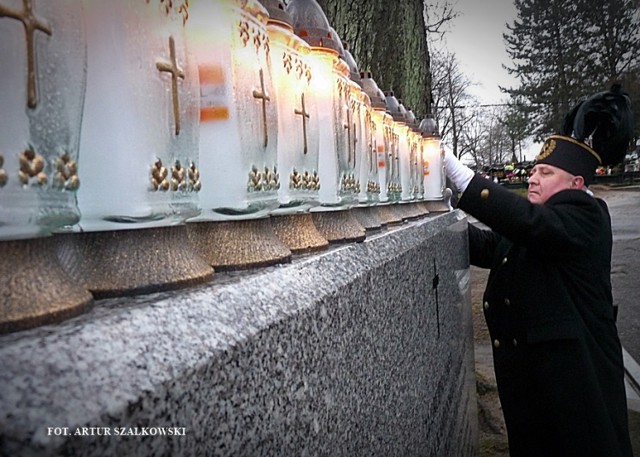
547,180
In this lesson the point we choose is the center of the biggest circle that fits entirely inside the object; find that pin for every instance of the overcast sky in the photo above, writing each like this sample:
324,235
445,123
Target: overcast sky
476,39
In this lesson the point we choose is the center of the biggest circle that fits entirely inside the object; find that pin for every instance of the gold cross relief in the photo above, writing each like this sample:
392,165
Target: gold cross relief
262,95
31,24
371,146
351,143
396,154
305,115
176,72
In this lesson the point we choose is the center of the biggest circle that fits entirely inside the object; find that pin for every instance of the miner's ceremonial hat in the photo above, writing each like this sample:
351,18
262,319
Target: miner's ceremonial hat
571,155
597,131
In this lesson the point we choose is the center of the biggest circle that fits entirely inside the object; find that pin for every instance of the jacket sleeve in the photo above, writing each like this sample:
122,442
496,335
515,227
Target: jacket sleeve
482,246
567,223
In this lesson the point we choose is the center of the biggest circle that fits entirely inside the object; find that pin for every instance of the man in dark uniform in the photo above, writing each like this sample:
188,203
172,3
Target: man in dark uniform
548,302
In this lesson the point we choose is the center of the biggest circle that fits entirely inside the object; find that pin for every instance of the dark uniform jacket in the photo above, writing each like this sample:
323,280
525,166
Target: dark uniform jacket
548,307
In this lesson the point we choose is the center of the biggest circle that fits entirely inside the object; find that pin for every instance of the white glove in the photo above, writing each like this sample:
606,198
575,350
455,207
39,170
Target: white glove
457,172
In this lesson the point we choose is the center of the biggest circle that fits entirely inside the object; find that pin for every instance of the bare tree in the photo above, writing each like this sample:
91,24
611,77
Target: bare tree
516,120
473,138
451,98
437,16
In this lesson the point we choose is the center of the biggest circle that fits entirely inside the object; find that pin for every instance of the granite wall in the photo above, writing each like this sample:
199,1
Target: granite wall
363,350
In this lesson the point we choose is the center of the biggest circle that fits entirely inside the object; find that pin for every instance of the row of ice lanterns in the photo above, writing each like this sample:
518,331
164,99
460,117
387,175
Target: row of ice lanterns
247,120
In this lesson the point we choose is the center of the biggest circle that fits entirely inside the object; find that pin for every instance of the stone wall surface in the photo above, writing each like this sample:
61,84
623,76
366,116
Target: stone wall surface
365,349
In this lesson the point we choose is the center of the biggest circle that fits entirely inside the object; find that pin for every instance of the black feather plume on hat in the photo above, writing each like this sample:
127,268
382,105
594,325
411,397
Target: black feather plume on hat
605,117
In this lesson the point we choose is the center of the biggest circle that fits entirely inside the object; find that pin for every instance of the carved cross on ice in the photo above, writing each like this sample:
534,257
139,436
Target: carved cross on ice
31,24
176,72
262,95
305,115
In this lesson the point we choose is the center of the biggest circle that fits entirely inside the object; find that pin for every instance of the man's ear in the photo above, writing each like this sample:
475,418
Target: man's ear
577,182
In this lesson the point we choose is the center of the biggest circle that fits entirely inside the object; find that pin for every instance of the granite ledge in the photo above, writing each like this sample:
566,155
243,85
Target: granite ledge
70,373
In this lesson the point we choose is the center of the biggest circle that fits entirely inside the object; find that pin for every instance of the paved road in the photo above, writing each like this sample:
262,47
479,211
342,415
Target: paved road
624,205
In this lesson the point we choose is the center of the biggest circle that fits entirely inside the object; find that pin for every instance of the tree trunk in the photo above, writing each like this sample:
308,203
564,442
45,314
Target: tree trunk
389,39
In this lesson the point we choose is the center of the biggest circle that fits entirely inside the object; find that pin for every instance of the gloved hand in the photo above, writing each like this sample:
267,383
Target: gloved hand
457,172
